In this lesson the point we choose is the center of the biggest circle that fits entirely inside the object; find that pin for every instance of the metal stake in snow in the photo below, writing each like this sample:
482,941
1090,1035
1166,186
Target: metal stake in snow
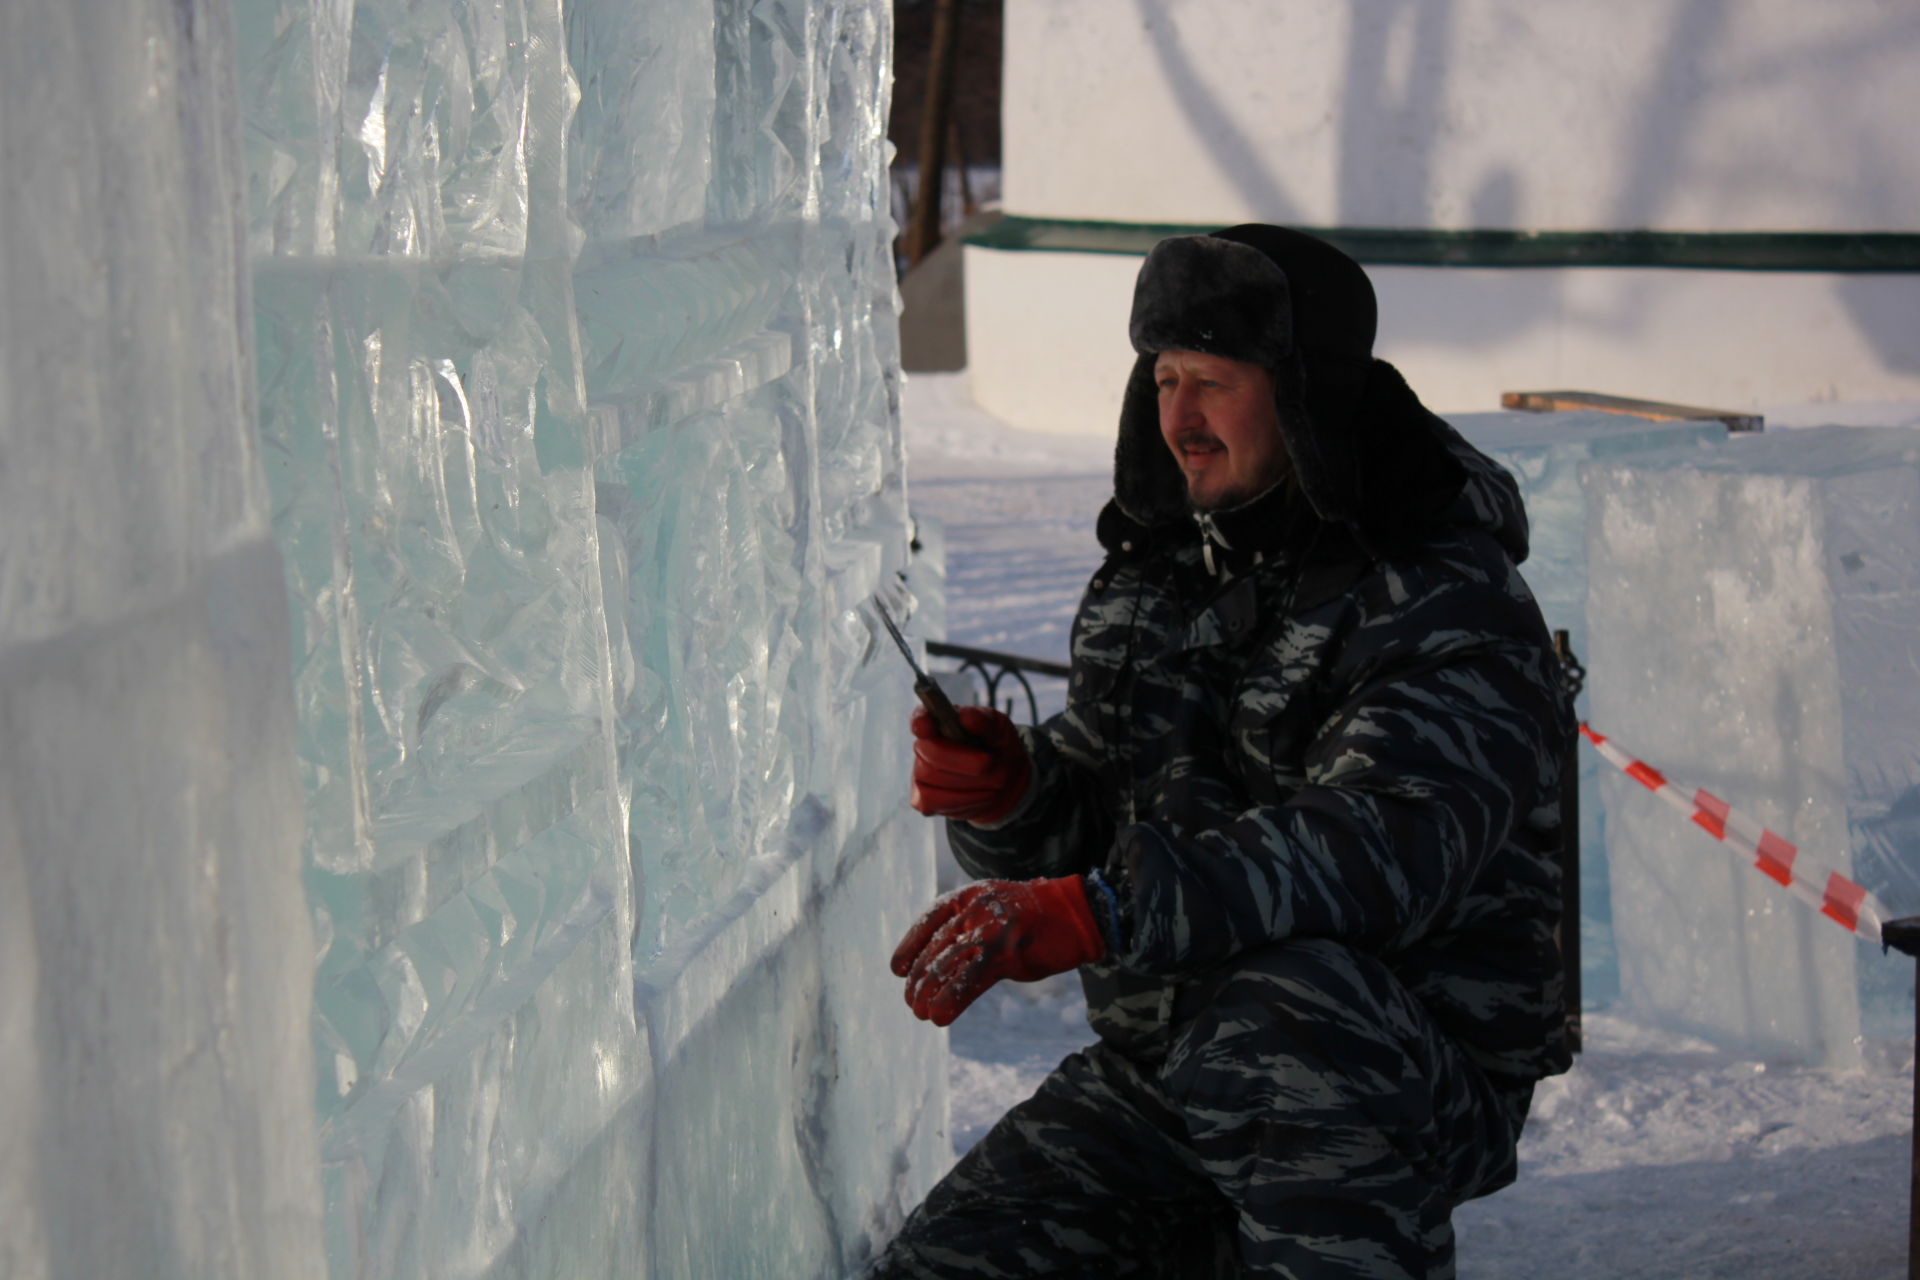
1828,892
1904,936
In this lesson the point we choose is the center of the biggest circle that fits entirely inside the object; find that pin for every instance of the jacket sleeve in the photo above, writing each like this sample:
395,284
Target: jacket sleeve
1448,734
1060,827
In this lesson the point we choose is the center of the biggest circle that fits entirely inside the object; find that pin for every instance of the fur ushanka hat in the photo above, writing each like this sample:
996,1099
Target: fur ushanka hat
1365,453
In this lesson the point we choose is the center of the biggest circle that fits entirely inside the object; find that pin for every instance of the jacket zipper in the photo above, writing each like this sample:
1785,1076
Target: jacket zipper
1209,535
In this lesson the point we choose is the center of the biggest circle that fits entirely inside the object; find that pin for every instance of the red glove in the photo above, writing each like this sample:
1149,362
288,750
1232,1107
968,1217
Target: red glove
994,929
955,781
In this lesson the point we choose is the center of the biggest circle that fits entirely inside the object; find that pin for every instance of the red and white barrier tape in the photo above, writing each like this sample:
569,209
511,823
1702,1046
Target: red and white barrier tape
1828,892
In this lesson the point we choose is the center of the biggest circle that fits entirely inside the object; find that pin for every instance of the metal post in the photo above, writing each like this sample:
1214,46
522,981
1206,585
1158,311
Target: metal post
1574,677
923,229
1904,936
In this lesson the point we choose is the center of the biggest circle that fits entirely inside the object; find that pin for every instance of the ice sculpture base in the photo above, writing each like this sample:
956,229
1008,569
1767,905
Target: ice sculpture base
1756,630
772,1135
1544,452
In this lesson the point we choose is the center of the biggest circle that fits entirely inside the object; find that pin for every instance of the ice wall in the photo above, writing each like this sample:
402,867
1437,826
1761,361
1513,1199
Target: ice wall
155,951
1544,452
1756,623
577,369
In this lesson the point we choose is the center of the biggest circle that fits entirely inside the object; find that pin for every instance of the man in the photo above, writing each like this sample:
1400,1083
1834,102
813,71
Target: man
1295,827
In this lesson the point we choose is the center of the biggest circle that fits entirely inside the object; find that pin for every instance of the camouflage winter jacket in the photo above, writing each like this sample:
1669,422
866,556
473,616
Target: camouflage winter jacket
1292,733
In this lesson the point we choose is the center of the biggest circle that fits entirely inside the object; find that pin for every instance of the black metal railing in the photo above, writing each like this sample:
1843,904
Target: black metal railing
993,668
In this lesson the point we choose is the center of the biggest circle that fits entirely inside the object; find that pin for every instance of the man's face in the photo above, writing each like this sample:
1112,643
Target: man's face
1218,418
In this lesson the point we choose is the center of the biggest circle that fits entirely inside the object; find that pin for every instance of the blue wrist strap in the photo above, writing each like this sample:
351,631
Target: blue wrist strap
1112,901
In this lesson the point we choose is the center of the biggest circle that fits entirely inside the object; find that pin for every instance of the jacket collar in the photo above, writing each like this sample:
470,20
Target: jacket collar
1275,522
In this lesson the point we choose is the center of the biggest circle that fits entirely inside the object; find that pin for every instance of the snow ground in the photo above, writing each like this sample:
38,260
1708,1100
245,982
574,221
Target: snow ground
1657,1157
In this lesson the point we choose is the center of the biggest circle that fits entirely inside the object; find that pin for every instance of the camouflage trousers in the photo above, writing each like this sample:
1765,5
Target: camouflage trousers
1307,1120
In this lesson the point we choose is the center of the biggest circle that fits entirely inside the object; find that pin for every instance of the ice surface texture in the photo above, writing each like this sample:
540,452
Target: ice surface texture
1544,453
1756,616
577,395
155,951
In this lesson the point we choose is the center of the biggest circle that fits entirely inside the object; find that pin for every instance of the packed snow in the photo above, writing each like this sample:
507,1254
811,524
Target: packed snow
1657,1156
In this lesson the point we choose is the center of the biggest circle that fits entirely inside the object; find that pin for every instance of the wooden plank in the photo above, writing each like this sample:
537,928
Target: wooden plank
1658,410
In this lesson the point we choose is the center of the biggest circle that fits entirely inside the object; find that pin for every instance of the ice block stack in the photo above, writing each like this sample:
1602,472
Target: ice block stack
1755,614
576,362
1544,452
422,417
155,951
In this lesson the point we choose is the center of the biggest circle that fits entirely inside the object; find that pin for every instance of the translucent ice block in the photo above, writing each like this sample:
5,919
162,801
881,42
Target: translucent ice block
1544,452
640,150
576,354
1756,616
156,960
456,680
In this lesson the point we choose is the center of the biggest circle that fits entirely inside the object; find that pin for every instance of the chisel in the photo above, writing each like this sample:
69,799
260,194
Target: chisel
938,705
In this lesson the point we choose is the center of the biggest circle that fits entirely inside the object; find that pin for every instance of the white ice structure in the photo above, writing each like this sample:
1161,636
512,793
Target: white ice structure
156,962
1125,120
1755,613
1544,452
567,402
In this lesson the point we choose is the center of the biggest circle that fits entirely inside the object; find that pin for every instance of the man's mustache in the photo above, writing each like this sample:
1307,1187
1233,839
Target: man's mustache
1189,437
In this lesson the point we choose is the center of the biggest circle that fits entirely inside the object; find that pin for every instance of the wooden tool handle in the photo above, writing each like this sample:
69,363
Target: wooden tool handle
945,717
